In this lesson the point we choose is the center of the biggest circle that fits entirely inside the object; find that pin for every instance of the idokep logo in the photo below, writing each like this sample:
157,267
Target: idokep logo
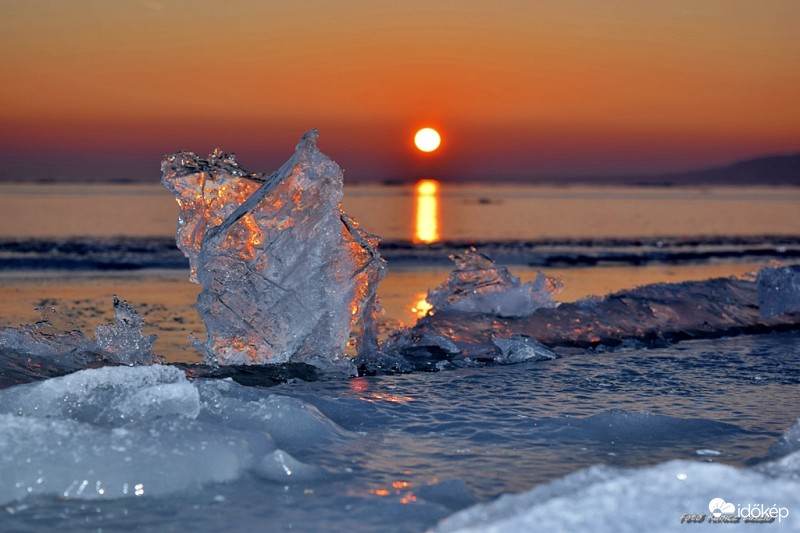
722,511
718,507
758,512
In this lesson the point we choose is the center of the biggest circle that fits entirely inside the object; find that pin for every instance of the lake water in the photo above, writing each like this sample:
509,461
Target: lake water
596,240
464,212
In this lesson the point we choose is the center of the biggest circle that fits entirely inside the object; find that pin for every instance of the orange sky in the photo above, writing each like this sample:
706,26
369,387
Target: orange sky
519,88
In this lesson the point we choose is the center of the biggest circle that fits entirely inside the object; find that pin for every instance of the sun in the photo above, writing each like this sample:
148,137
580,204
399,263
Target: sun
427,139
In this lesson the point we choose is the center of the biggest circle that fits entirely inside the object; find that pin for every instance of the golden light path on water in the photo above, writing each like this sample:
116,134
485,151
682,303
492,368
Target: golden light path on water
426,211
426,229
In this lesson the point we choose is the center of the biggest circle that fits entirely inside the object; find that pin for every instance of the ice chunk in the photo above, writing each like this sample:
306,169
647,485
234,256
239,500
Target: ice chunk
708,452
147,431
71,459
122,340
110,396
286,274
466,324
787,467
788,443
520,348
478,285
607,499
54,337
779,291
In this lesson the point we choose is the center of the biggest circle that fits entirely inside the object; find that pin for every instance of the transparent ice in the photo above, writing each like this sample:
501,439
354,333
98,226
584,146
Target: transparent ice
466,322
478,316
119,432
55,338
478,285
286,274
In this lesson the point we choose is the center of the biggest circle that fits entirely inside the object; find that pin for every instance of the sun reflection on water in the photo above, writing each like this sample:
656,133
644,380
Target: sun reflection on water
421,307
426,213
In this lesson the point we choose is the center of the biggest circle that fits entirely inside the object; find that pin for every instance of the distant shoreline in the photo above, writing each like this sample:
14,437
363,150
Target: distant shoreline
534,182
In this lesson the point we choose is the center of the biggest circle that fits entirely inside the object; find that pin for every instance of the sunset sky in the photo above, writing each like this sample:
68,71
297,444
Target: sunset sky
102,89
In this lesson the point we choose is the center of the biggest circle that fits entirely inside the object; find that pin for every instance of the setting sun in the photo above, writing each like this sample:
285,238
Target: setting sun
427,139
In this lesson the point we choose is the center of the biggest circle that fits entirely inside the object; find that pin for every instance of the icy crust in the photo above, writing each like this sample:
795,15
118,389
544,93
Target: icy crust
619,500
652,314
147,431
55,340
602,498
286,275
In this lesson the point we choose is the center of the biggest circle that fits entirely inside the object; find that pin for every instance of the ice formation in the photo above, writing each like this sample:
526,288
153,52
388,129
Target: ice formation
466,324
118,432
458,333
478,285
286,274
55,339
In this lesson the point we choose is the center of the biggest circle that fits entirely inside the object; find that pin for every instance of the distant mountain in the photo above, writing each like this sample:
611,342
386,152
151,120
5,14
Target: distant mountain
770,170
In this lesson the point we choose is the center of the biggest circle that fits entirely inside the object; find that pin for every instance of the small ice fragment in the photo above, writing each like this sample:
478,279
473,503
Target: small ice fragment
478,285
281,467
286,274
708,452
779,291
518,348
55,337
788,443
52,336
122,340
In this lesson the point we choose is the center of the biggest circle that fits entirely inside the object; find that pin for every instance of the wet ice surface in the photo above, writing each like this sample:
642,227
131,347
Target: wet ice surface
400,453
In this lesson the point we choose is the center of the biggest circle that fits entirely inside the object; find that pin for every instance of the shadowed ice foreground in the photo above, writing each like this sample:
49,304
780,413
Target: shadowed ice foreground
618,443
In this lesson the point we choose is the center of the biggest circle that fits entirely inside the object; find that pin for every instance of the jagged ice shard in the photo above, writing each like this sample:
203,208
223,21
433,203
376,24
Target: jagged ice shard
287,276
